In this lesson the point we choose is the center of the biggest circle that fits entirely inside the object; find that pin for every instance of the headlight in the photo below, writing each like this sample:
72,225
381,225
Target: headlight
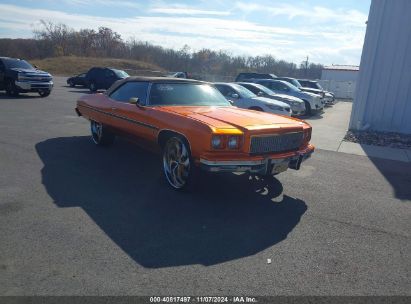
217,142
233,142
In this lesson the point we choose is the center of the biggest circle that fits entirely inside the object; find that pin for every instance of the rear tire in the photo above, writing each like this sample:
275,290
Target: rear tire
100,135
11,89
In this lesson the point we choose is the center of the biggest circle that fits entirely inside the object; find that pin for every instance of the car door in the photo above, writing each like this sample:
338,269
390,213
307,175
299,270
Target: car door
109,78
134,119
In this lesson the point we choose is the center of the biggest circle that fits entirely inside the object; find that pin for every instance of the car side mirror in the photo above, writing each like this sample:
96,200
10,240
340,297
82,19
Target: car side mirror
260,93
134,101
35,66
235,96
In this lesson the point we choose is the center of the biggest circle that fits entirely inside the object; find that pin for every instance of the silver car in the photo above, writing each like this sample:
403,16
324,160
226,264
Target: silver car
243,98
296,104
313,102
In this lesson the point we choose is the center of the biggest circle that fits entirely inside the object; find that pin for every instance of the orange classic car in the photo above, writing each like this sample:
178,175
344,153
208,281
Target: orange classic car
194,126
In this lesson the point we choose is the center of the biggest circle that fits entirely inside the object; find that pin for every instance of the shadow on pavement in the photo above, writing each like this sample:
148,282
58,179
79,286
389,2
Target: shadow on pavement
122,189
398,174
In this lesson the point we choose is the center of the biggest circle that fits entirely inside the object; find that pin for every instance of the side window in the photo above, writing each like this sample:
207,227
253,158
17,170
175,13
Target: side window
222,89
108,73
252,89
270,85
283,87
129,90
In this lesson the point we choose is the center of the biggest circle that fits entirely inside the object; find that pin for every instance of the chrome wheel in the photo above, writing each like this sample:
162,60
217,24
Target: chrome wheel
96,132
176,162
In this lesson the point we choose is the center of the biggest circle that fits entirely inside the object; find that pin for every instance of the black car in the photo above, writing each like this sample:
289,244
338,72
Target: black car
247,76
79,79
19,76
102,78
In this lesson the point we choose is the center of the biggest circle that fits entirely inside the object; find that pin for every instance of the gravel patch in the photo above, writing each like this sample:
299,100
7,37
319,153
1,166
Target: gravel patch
386,139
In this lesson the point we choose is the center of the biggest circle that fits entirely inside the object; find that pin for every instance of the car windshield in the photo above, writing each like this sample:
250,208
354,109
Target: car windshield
292,87
318,86
16,63
121,73
264,89
244,93
186,94
295,83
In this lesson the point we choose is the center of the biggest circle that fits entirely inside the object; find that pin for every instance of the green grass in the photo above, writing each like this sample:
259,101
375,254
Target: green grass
70,65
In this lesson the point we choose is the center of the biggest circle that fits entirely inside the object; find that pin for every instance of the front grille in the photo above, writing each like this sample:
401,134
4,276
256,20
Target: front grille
276,143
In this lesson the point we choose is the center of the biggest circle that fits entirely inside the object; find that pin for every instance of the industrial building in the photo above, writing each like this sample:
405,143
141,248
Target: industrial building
383,90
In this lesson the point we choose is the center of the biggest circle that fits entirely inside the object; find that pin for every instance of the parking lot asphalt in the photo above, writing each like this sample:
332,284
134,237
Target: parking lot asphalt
76,219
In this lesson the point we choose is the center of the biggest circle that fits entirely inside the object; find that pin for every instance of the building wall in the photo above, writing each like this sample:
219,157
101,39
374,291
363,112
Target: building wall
339,75
383,92
340,82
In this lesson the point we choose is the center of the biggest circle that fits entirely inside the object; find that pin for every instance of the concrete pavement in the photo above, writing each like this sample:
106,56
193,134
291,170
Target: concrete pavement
329,130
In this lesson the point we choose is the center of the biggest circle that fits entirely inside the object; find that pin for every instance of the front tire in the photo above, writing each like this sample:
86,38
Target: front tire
93,87
71,84
177,164
308,110
44,93
100,135
11,89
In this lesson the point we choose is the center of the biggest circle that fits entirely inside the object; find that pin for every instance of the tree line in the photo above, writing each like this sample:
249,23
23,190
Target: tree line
53,40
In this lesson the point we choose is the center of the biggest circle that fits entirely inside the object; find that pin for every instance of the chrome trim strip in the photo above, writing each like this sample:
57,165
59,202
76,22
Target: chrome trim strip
121,117
232,162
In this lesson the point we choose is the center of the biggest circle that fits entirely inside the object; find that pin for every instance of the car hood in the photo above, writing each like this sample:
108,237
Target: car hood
30,71
317,91
232,117
309,94
286,97
269,101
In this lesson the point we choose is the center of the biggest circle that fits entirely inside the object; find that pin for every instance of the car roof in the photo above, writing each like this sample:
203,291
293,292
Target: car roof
152,80
11,58
269,79
308,80
245,82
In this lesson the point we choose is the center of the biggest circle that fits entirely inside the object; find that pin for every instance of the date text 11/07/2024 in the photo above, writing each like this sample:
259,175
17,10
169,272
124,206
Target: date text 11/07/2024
201,299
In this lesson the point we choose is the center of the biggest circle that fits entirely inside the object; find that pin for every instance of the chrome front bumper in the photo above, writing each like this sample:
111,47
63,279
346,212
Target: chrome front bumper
265,166
34,85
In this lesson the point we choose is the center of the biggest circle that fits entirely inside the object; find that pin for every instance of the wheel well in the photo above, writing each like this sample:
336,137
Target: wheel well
255,108
166,134
307,103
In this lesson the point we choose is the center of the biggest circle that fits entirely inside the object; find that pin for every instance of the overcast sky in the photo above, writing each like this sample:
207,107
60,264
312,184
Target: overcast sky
328,31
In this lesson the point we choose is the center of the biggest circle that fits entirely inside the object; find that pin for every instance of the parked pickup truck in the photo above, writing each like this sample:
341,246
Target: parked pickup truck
19,76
